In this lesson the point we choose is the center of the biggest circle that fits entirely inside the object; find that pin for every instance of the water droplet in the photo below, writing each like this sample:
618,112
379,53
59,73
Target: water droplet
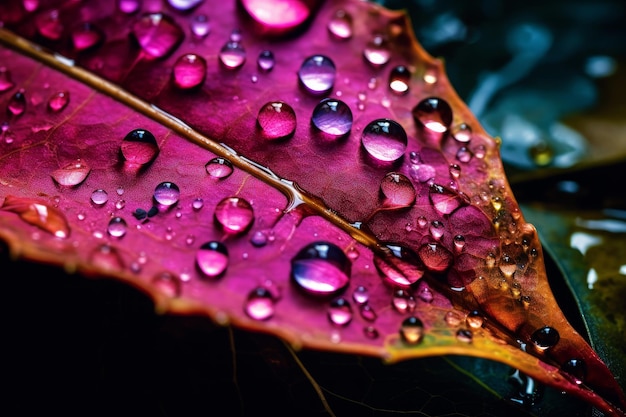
71,174
277,120
158,35
30,5
459,242
412,330
166,194
455,171
17,104
234,215
453,319
167,283
139,147
197,203
367,312
377,52
99,197
397,190
117,227
464,335
120,204
258,239
370,332
474,319
399,80
399,264
340,312
480,151
508,266
445,201
360,295
353,253
464,155
219,168
260,304
424,293
403,302
321,268
266,61
372,83
128,6
39,214
422,221
106,257
232,55
340,25
49,25
577,370
333,117
184,5
200,26
212,259
435,257
189,71
434,114
317,74
86,36
545,337
462,133
384,140
436,229
6,81
59,101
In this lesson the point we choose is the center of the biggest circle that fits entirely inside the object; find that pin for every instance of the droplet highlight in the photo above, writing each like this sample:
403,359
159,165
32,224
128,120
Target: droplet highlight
266,61
59,101
377,52
117,227
545,337
340,312
399,80
86,36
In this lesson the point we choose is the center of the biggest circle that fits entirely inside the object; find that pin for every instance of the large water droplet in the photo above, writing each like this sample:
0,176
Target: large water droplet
278,18
399,80
234,215
99,197
384,140
6,81
71,174
340,312
433,113
445,201
184,5
333,117
128,6
464,155
212,259
117,227
577,370
260,304
397,190
403,302
86,36
200,26
39,214
167,194
17,104
232,55
219,168
412,330
49,25
321,268
399,265
277,120
59,101
317,74
377,52
545,337
266,61
157,34
435,257
189,71
340,25
139,147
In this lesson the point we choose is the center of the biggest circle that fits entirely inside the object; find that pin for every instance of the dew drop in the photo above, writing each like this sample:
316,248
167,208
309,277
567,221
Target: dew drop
120,204
464,155
367,312
212,259
436,229
403,302
200,26
117,227
455,171
462,133
99,197
340,312
459,242
59,101
189,71
480,151
157,34
464,335
399,265
139,147
453,319
340,25
197,204
232,55
317,74
412,330
258,239
384,140
260,304
545,337
128,6
321,268
435,257
6,81
399,80
422,221
360,295
474,319
425,294
372,84
353,253
184,5
577,370
17,104
167,284
434,114
370,332
86,36
333,117
445,201
266,61
106,257
71,174
39,214
234,215
397,190
49,25
277,120
377,52
166,194
219,168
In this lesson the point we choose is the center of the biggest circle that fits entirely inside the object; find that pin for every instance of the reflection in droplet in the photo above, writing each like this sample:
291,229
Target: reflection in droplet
197,203
399,80
234,215
333,117
384,140
545,337
167,193
6,81
399,265
397,190
277,120
71,174
435,257
474,319
200,26
86,36
157,34
436,229
266,61
99,197
107,258
219,168
377,52
59,101
38,213
117,227
321,268
403,302
464,155
459,242
184,5
340,25
260,304
317,74
462,133
434,114
17,104
212,259
340,312
139,147
232,55
412,330
424,293
189,71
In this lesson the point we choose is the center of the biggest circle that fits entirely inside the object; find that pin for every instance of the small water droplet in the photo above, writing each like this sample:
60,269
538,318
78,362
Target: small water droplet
434,114
234,215
455,171
453,319
158,35
445,201
372,83
219,168
128,6
86,36
17,104
353,253
360,295
541,153
266,61
232,55
436,229
106,257
384,140
340,312
435,257
576,369
59,101
189,71
139,147
507,266
321,268
462,133
167,283
99,197
38,213
340,25
474,319
545,337
377,52
412,330
317,74
397,191
49,25
190,239
258,239
370,332
464,335
200,26
480,151
403,302
260,304
333,117
197,203
117,227
71,174
399,80
120,204
6,81
212,259
277,120
166,194
459,242
184,5
464,155
367,312
424,293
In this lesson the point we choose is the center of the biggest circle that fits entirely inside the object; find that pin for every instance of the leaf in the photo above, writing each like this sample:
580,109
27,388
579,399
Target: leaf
392,186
